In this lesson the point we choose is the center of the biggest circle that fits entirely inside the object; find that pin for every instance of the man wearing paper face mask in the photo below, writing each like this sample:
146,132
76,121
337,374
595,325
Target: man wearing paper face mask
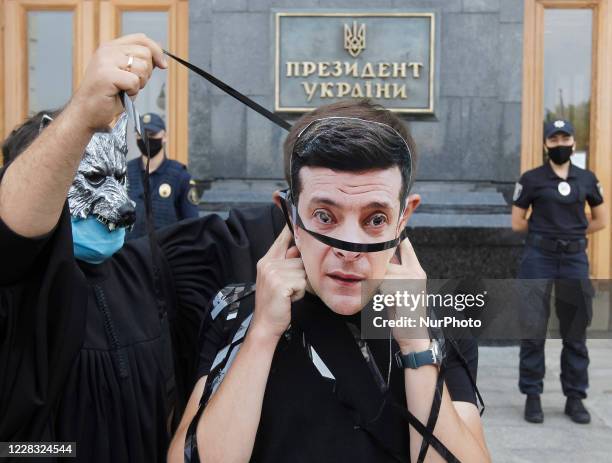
557,192
284,367
173,193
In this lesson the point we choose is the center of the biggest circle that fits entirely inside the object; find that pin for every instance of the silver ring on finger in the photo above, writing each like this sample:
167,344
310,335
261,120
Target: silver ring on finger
129,63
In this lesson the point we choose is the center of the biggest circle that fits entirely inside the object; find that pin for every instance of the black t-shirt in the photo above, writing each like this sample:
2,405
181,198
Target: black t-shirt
308,417
558,204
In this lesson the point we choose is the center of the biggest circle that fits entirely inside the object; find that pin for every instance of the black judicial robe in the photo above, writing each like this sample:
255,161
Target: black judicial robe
84,356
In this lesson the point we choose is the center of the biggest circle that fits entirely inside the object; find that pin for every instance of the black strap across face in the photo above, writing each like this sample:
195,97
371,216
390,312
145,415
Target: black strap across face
293,217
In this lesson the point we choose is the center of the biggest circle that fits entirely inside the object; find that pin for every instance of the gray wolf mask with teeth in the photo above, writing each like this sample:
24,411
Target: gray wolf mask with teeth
100,185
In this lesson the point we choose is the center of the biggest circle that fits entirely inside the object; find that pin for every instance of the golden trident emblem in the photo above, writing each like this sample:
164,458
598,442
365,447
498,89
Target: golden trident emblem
354,39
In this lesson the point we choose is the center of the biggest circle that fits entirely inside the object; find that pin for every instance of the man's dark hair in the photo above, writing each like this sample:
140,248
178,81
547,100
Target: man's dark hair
349,145
23,136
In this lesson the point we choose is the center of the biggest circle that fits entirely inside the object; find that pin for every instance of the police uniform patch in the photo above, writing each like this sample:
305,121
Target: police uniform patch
518,189
165,190
600,189
192,196
564,188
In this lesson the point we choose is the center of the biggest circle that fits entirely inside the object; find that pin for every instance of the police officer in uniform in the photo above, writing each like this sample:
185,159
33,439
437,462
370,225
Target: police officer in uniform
555,251
173,192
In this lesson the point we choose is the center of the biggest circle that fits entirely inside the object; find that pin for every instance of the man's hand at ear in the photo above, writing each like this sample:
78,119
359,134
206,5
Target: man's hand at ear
281,280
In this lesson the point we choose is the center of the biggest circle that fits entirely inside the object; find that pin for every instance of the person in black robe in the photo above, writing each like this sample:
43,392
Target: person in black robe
97,371
100,354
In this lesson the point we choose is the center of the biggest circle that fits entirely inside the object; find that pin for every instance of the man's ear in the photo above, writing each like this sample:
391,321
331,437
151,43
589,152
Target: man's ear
412,202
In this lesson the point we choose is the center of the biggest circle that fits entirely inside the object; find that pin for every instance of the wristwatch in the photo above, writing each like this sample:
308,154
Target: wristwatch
414,360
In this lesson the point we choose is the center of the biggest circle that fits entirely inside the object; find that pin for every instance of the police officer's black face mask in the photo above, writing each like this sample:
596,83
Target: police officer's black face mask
155,146
560,154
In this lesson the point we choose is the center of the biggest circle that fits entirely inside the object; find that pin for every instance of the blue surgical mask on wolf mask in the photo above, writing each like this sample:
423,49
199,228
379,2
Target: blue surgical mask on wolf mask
98,197
93,242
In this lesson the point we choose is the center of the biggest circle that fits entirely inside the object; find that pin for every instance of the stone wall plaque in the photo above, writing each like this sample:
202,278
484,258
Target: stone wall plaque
322,57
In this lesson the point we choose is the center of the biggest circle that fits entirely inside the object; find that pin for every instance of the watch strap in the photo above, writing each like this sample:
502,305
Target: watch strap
415,360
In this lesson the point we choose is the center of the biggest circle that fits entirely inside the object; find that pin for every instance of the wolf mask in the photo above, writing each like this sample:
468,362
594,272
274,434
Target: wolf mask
99,188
